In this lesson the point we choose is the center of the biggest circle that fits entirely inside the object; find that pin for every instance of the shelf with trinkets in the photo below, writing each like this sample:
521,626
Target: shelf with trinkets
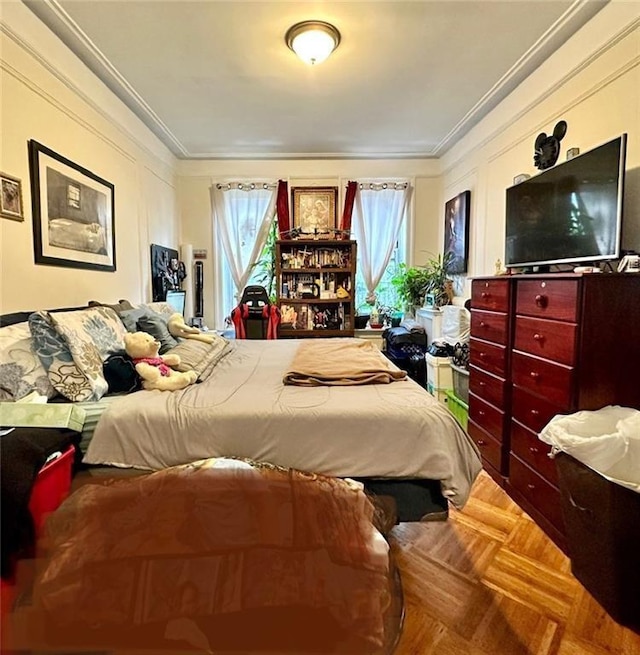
315,280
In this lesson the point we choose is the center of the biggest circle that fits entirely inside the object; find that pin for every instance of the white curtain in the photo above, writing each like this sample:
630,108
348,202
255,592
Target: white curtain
378,213
242,215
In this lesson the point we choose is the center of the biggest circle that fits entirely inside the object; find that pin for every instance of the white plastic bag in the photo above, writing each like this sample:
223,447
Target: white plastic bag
606,440
456,326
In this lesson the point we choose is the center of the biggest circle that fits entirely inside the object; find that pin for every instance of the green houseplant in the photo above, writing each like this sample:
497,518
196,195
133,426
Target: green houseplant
415,282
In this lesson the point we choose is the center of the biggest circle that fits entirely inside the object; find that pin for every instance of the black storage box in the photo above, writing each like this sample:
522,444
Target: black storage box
602,521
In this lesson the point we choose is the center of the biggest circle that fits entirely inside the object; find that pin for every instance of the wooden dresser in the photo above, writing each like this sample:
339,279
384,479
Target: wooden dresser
489,366
554,344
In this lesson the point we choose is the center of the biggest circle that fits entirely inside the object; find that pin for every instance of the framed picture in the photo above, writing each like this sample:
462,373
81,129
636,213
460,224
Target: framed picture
73,213
456,231
314,209
11,198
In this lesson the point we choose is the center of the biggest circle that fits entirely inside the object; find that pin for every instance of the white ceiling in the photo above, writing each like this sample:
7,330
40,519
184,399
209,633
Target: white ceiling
215,79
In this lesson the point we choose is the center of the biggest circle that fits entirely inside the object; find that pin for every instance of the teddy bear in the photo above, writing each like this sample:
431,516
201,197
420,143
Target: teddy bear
154,369
178,328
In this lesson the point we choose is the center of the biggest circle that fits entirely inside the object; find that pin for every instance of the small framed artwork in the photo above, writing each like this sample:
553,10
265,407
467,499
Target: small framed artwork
11,198
73,213
456,231
314,209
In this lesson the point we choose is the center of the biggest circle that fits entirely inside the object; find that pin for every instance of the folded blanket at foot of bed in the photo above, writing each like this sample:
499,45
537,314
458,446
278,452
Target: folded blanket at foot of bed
215,558
340,362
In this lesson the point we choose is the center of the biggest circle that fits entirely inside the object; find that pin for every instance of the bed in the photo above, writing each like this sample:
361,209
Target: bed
242,408
386,434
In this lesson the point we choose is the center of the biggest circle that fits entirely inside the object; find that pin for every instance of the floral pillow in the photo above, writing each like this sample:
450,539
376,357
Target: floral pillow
21,371
91,336
56,359
72,347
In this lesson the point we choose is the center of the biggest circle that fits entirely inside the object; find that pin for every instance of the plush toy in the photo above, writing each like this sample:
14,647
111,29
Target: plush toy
178,328
154,369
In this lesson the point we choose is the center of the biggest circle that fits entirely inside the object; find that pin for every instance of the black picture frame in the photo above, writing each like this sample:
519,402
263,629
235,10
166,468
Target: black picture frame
73,213
456,231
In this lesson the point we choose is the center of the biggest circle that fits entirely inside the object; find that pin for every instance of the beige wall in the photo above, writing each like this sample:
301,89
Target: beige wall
49,96
196,177
592,82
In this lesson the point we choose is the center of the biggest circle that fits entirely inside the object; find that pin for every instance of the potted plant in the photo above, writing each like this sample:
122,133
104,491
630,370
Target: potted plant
438,286
414,283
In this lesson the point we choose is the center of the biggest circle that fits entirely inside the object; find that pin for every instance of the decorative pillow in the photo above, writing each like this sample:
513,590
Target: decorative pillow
130,317
118,307
21,371
56,358
199,356
156,325
160,307
91,335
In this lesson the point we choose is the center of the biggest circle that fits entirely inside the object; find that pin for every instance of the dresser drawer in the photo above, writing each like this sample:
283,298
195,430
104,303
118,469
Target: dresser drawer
532,411
490,326
490,294
549,298
488,356
544,378
491,450
488,417
487,386
550,339
526,445
542,495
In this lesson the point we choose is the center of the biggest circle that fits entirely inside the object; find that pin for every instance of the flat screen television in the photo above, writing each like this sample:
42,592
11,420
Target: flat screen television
569,213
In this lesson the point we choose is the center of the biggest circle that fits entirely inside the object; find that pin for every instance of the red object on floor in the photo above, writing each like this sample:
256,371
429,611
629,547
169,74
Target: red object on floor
51,487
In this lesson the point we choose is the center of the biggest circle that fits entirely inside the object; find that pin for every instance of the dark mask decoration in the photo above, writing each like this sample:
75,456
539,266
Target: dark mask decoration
547,148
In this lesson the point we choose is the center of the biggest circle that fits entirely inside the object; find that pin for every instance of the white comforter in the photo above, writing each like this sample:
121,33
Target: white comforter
243,409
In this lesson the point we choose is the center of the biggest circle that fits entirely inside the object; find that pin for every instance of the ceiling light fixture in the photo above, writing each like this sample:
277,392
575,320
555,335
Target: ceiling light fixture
312,40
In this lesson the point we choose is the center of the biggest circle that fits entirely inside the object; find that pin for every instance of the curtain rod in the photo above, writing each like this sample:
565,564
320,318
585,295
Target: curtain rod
246,186
378,186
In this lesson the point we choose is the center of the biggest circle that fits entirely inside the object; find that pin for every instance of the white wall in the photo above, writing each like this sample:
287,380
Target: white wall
196,177
48,95
592,82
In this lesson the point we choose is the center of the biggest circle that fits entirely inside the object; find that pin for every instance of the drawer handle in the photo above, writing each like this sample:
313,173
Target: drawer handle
482,384
533,450
534,412
541,300
485,294
481,442
483,324
538,337
534,375
480,412
531,487
483,355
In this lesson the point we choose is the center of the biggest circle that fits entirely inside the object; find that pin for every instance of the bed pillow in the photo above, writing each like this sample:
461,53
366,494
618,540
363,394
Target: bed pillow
21,370
118,307
199,356
56,359
156,325
92,335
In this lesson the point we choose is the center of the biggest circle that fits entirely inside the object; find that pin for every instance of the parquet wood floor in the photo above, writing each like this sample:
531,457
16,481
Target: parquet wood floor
489,582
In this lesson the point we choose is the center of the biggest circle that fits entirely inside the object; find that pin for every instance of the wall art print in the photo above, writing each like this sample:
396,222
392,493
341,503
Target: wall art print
314,209
73,213
456,231
11,197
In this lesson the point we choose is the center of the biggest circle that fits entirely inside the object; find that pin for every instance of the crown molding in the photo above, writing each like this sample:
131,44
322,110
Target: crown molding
60,23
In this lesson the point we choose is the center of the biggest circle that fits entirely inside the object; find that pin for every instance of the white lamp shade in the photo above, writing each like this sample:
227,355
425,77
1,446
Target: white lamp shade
313,41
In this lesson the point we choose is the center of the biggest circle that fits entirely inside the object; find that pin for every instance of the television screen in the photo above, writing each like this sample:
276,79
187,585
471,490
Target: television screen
176,299
569,213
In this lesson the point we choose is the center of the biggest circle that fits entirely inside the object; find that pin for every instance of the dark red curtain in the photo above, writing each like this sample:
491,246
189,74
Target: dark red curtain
282,207
349,199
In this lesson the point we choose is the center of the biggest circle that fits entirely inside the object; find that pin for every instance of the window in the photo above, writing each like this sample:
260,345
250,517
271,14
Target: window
381,227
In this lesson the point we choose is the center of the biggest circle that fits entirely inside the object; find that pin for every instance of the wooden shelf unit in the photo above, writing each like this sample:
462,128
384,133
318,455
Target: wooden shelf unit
329,264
